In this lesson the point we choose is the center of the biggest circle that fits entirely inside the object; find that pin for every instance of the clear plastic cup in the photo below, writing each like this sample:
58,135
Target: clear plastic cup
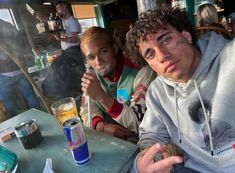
64,109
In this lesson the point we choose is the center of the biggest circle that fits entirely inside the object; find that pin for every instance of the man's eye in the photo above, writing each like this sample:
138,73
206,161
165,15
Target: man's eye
103,51
149,55
166,40
90,58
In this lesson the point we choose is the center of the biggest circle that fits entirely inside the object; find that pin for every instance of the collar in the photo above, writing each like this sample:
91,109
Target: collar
118,71
122,60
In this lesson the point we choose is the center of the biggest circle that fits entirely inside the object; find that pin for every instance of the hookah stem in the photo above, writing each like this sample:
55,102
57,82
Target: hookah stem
89,111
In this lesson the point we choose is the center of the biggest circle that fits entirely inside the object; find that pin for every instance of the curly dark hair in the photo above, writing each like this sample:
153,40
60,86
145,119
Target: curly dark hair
150,22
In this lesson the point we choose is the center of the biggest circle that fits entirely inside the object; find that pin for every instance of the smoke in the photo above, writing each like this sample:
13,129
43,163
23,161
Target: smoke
24,39
10,38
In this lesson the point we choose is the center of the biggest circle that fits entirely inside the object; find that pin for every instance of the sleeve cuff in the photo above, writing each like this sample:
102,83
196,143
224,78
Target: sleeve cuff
95,121
115,109
134,166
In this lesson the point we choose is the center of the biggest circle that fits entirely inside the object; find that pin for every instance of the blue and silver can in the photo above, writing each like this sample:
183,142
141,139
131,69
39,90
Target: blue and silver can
76,140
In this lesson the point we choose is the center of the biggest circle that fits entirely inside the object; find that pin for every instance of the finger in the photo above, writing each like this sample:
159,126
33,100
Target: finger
84,89
83,84
165,155
85,92
152,151
143,152
166,164
86,82
84,78
88,75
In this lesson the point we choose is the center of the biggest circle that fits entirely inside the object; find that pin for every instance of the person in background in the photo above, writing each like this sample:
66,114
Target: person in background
229,8
191,102
46,38
64,75
229,11
164,5
207,16
119,38
117,87
41,17
11,77
72,27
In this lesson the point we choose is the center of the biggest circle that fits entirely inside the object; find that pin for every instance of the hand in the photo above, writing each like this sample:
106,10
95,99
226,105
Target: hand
57,36
91,86
114,130
147,164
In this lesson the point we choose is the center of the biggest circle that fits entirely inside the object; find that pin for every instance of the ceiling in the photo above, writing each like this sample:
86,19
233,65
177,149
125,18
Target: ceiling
70,1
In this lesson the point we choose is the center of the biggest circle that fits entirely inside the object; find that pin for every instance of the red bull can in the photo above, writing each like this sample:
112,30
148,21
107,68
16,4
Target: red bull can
76,140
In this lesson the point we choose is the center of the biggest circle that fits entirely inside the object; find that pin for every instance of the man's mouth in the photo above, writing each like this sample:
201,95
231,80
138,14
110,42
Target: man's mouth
101,69
170,66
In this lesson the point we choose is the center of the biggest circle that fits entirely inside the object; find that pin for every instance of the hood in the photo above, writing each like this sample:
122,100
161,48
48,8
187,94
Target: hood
206,45
210,46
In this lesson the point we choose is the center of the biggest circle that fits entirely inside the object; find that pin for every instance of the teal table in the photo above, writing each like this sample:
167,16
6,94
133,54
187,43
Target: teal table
109,154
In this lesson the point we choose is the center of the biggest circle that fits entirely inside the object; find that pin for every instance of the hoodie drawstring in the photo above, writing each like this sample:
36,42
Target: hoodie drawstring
204,113
177,114
206,118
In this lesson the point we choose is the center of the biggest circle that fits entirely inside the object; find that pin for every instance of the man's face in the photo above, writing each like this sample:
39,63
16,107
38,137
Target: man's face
61,10
101,57
171,54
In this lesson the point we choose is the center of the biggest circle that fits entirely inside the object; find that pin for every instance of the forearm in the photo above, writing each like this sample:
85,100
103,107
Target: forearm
69,39
105,100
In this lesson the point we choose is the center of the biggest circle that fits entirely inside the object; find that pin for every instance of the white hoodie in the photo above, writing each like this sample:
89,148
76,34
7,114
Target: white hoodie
198,116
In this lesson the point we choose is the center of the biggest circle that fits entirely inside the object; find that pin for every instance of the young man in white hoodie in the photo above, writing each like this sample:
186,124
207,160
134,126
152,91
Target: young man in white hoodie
191,102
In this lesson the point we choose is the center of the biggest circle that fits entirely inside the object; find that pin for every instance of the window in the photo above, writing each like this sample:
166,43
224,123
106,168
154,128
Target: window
7,15
85,15
86,23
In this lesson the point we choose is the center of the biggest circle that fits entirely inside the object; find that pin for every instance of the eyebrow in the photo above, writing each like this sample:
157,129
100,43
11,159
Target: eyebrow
158,39
163,35
91,54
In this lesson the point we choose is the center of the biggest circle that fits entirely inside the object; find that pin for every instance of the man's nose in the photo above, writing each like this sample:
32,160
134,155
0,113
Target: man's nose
98,59
162,54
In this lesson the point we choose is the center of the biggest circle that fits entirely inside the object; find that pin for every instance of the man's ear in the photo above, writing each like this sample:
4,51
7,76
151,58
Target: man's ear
187,36
115,48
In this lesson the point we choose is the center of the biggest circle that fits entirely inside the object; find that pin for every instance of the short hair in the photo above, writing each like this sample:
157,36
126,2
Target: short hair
96,34
150,22
62,3
66,4
206,14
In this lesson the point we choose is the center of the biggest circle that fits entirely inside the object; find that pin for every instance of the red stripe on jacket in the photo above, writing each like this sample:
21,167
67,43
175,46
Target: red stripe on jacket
115,109
95,121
